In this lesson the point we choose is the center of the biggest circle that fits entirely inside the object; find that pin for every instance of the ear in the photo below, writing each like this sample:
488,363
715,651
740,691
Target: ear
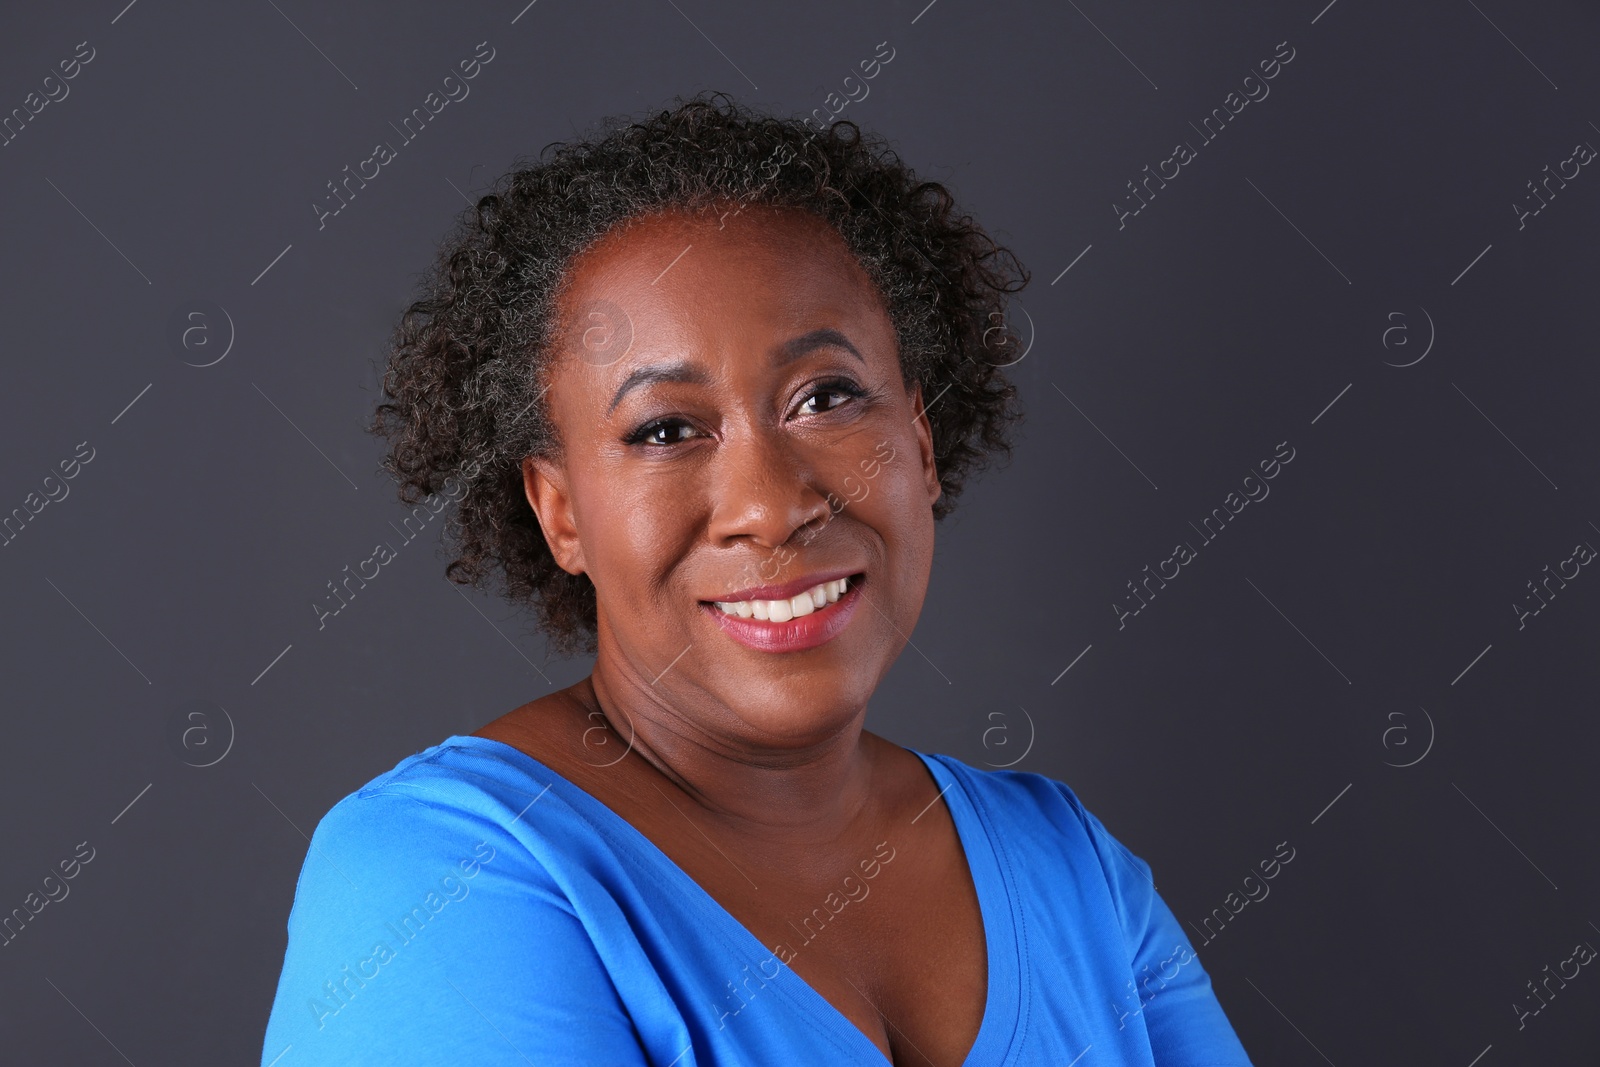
924,430
544,483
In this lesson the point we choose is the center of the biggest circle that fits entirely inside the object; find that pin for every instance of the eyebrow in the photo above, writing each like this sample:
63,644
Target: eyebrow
683,371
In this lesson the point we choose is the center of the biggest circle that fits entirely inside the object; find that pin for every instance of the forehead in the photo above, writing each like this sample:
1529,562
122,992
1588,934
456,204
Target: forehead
678,271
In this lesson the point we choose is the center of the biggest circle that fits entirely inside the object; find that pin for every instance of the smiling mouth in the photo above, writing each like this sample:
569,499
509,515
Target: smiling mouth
818,598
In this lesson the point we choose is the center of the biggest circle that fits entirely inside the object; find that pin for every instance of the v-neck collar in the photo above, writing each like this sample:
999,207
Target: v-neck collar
1004,935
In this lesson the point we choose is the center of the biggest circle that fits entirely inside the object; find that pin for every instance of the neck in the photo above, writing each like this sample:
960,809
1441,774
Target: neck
790,793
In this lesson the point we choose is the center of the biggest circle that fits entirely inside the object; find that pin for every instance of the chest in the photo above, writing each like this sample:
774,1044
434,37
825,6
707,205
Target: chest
890,934
883,922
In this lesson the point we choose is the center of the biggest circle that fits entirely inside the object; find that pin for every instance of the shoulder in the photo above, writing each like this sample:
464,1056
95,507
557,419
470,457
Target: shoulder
1014,799
461,788
469,814
1043,821
432,899
420,829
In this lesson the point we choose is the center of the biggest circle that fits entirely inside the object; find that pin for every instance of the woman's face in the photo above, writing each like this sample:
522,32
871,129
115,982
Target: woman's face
735,427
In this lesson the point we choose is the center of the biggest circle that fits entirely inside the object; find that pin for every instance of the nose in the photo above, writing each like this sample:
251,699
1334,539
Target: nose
762,486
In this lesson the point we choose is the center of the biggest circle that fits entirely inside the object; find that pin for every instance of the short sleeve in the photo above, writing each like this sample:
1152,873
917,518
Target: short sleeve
424,934
1171,990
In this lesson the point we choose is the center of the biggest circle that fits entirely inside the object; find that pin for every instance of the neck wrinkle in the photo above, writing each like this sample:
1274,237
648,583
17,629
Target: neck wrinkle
804,797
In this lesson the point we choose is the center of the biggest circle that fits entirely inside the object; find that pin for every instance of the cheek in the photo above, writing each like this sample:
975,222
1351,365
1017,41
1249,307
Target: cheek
892,467
894,501
634,526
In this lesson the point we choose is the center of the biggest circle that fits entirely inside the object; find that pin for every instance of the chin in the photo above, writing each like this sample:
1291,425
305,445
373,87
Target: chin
799,711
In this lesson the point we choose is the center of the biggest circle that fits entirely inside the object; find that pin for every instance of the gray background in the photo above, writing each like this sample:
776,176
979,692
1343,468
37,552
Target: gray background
1359,618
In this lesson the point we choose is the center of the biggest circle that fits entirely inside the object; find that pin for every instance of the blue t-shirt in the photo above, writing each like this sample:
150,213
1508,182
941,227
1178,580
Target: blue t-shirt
473,906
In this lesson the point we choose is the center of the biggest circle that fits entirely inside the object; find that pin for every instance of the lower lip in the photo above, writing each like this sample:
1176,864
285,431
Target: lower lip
796,635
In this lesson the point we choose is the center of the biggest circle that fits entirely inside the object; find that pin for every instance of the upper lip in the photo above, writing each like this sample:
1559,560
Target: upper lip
787,590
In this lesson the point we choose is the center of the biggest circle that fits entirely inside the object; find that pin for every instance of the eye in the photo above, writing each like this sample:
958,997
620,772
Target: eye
651,433
837,387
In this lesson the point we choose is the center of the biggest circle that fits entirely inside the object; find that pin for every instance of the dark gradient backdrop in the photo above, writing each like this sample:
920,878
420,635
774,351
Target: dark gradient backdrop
1380,261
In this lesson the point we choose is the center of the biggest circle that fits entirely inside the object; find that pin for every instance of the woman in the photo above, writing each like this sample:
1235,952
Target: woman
702,387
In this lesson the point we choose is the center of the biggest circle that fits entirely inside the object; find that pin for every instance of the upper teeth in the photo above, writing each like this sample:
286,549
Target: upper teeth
783,610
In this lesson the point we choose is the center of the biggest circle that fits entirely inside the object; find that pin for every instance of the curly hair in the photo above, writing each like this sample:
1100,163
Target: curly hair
467,363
